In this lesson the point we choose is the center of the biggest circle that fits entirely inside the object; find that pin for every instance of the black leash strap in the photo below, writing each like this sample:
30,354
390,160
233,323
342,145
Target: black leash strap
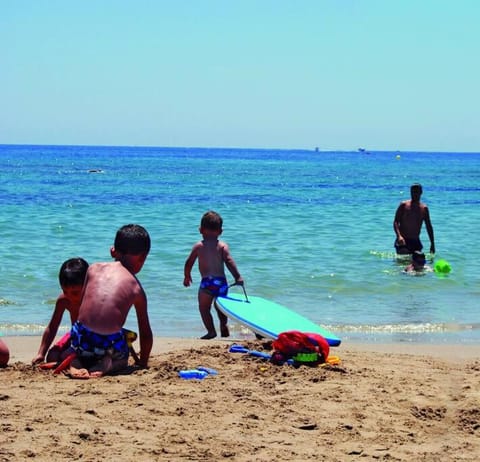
244,291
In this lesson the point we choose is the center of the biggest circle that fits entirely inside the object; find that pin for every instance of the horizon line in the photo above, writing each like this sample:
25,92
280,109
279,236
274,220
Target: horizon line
314,149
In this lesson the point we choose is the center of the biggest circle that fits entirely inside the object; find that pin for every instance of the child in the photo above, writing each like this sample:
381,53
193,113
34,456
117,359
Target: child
71,277
418,263
4,353
109,292
212,254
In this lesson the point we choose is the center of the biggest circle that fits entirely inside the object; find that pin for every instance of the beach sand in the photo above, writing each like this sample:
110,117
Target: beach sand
382,402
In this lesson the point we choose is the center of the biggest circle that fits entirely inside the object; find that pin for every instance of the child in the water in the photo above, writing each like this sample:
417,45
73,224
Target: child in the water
418,263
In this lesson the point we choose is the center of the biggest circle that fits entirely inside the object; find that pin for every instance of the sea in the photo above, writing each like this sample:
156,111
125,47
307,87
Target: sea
309,229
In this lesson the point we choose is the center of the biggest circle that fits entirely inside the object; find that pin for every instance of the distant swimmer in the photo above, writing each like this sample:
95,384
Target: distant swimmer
95,170
408,221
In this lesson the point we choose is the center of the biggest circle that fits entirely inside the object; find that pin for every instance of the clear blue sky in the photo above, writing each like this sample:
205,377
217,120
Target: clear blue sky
337,74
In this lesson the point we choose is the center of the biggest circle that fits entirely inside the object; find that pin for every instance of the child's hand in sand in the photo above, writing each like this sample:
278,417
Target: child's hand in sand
38,359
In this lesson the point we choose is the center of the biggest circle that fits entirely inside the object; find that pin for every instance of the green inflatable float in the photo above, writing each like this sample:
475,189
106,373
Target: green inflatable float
442,266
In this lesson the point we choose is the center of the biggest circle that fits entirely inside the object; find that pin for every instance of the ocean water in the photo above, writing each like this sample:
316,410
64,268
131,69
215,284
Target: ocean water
310,230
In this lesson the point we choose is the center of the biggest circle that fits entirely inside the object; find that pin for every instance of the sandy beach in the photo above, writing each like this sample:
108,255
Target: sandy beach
390,402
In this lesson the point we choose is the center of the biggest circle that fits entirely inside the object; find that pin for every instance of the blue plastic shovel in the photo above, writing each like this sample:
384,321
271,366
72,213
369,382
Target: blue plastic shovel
241,349
235,348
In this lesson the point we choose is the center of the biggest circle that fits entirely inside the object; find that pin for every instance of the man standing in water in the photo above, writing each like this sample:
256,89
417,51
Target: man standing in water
408,222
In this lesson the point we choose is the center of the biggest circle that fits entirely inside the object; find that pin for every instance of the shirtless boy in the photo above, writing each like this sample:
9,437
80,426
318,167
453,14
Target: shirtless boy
71,277
408,222
212,255
109,292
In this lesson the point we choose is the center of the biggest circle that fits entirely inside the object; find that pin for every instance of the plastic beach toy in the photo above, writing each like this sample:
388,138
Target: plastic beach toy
235,348
306,357
208,370
199,373
241,349
192,374
442,266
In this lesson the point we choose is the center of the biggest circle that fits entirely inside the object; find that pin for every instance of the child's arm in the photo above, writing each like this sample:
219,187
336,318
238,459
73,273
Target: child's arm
50,331
231,265
187,278
146,336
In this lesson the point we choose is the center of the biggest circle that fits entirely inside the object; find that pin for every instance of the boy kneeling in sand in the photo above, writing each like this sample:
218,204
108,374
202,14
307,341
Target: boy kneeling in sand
109,292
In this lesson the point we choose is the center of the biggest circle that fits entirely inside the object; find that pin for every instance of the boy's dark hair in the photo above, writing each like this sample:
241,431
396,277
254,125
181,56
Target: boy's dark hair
418,256
73,272
416,186
211,220
132,240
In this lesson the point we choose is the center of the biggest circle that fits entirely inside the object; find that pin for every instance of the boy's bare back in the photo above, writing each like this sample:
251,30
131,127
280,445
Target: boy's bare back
110,291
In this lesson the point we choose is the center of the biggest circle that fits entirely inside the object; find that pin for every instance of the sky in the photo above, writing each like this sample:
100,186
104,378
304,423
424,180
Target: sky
334,74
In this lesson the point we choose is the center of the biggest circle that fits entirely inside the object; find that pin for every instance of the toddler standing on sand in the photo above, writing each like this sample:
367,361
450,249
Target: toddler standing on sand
110,290
212,255
71,277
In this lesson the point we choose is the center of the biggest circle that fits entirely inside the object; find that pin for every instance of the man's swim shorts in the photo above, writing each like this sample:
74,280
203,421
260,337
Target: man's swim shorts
409,247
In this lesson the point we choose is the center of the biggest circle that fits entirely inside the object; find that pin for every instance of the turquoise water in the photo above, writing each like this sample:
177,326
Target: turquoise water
310,230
